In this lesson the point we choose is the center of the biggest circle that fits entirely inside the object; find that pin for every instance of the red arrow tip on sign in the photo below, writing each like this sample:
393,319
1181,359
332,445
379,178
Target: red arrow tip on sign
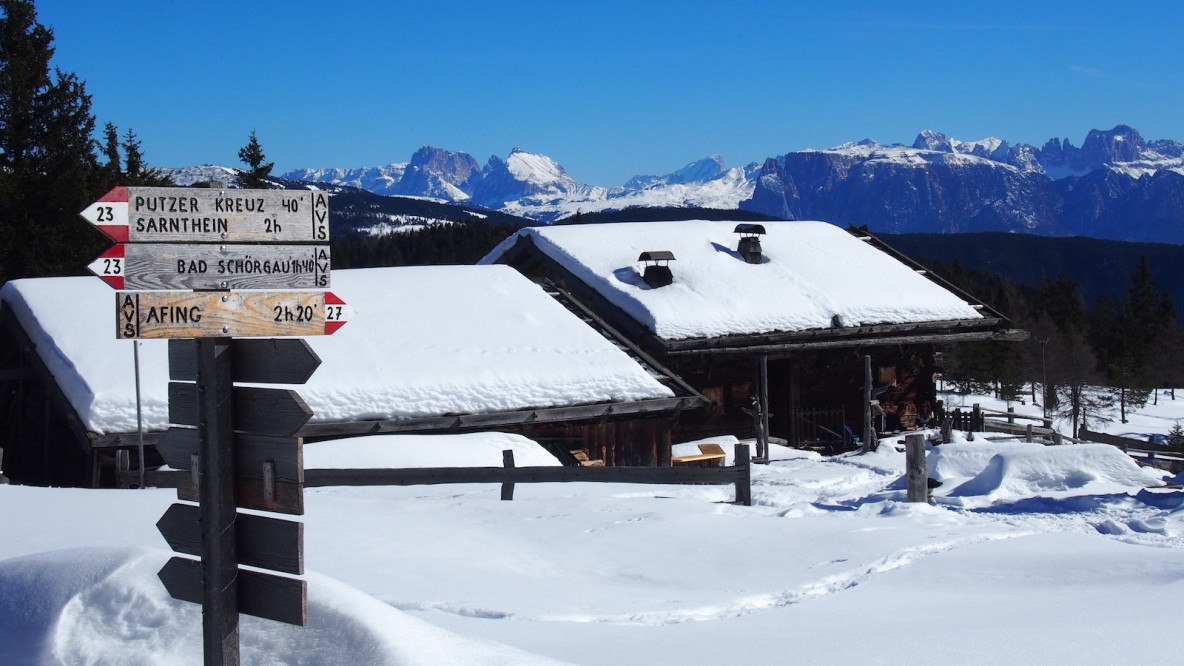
337,313
110,266
116,194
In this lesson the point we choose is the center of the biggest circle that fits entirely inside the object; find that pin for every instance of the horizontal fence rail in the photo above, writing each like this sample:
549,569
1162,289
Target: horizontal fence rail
739,475
1161,456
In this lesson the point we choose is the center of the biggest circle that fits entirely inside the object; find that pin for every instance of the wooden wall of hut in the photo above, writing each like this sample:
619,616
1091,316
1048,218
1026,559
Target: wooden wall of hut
38,432
730,384
641,442
828,380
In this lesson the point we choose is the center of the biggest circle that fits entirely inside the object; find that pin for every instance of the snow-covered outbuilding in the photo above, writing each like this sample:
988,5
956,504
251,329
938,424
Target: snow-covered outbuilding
791,306
429,349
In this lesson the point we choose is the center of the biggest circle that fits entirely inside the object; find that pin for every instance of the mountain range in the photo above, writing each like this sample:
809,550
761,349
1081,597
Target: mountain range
1116,185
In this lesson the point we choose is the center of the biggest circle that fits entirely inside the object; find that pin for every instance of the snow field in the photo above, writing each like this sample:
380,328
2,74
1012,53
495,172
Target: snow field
830,565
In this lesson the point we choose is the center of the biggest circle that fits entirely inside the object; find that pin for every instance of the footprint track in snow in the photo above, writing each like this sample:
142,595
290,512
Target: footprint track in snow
829,585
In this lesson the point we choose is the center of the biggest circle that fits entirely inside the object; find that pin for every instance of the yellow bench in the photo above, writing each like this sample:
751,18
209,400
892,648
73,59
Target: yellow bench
710,455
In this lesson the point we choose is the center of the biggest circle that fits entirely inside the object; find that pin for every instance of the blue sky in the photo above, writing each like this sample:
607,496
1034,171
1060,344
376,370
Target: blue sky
612,89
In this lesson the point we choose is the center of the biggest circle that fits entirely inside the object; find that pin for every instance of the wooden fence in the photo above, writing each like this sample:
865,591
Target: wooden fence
978,419
739,475
1161,456
818,427
967,421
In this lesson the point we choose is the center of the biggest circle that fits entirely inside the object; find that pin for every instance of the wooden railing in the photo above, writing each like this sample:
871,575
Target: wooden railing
979,419
1161,456
739,475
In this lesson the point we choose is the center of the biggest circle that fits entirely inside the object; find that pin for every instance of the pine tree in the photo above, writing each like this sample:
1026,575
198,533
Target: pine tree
1176,436
112,170
48,168
136,172
1066,361
1127,336
255,177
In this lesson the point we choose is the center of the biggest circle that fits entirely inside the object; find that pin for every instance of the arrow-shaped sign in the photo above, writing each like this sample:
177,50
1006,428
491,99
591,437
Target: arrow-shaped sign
180,314
199,215
262,595
260,411
268,471
253,360
263,542
209,267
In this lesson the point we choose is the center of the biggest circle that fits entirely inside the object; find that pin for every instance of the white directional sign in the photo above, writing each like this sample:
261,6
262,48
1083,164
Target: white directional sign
198,215
201,314
203,266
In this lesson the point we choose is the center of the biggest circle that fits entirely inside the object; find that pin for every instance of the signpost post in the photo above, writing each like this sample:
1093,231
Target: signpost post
243,450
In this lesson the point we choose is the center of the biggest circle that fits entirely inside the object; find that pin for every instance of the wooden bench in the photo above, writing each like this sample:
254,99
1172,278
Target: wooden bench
584,461
710,455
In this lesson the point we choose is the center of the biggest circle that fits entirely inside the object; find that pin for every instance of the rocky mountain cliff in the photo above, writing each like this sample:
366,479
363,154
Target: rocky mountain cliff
537,187
1116,185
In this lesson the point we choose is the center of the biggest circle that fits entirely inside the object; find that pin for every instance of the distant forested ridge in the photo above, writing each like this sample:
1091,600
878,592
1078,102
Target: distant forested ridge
1095,266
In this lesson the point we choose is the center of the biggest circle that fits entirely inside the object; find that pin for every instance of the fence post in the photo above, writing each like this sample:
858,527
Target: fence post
507,486
867,404
762,440
1028,432
918,474
743,475
976,419
1011,414
123,465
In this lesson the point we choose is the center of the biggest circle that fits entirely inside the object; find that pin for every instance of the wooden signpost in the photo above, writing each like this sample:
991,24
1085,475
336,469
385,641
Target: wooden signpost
195,215
213,267
241,449
195,314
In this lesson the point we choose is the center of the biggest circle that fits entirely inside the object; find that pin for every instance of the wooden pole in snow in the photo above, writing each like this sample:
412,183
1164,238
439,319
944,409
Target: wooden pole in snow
219,553
918,474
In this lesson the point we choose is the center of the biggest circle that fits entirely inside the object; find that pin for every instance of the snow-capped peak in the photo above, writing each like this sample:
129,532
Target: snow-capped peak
534,168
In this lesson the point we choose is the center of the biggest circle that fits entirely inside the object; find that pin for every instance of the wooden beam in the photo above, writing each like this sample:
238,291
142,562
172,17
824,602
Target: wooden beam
1010,335
617,410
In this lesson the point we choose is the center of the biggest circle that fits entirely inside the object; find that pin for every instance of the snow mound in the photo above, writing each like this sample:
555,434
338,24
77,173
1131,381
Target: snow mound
402,451
962,461
1020,472
106,606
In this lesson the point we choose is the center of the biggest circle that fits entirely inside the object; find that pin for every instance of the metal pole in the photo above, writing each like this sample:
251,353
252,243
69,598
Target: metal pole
867,403
219,552
763,435
1044,378
139,410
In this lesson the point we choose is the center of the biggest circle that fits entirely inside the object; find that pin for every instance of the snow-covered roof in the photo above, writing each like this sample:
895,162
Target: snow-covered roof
424,341
811,273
